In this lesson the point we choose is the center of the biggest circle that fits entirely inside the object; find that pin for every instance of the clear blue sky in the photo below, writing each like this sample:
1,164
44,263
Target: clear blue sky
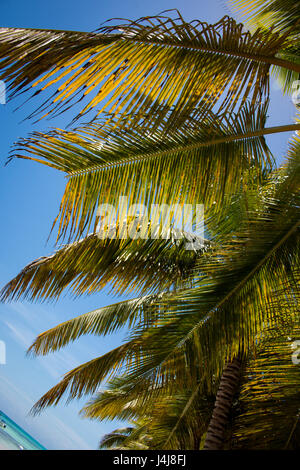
30,196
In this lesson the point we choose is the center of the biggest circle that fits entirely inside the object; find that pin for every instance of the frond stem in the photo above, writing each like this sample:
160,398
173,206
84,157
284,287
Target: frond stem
215,141
233,53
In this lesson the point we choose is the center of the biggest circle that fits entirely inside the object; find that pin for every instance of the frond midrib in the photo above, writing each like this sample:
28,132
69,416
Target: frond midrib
272,60
188,147
248,276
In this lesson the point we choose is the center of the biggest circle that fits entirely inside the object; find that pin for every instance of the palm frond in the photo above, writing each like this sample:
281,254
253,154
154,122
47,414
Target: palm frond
102,321
116,438
267,414
204,165
117,400
180,420
87,377
237,294
161,419
90,264
282,16
223,315
143,68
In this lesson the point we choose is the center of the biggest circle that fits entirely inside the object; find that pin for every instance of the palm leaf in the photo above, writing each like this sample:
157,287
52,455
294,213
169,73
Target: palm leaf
143,68
267,414
204,165
91,264
102,321
237,291
87,377
117,400
282,16
116,438
222,316
161,420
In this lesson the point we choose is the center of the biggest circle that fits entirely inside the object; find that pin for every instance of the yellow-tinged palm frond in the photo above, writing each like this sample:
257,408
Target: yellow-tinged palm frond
235,300
143,68
87,377
203,164
163,416
128,438
286,78
119,400
89,265
282,16
222,316
267,413
102,321
116,438
134,436
180,420
152,430
113,402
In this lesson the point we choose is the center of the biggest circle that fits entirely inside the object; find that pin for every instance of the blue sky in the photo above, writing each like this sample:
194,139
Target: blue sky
30,196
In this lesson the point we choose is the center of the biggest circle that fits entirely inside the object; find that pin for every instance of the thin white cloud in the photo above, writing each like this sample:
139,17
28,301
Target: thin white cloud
71,438
8,387
23,324
57,365
24,334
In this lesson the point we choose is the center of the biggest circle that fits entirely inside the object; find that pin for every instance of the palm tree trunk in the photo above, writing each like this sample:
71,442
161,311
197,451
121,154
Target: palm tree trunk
228,387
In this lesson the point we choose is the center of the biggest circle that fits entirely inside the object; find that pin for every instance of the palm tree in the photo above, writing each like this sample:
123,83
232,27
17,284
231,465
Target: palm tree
243,290
186,112
171,88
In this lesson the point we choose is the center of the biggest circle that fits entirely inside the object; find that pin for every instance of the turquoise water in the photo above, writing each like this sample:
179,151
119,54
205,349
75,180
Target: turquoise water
12,437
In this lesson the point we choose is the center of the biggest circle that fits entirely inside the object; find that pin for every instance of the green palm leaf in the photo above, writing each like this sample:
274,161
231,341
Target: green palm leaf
118,401
91,264
203,163
116,439
267,414
160,420
102,321
282,16
222,316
